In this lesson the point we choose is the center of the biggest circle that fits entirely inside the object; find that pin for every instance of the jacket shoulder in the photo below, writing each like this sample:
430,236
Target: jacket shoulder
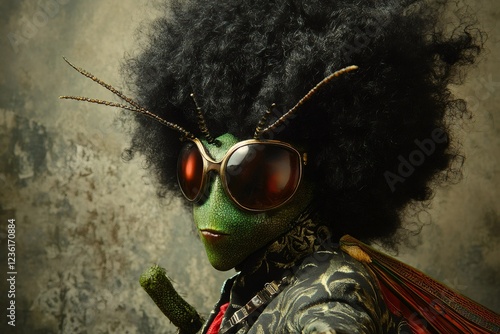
328,291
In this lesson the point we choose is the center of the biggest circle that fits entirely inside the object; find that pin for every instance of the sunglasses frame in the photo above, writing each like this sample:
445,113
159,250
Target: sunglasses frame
209,164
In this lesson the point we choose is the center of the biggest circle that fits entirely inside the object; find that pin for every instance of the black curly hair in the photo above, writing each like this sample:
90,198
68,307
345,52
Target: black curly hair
377,138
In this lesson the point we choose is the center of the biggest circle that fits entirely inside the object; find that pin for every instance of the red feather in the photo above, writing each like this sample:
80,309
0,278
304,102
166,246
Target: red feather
427,305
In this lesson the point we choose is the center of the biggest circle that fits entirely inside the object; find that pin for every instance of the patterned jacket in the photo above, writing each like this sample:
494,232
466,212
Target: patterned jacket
329,292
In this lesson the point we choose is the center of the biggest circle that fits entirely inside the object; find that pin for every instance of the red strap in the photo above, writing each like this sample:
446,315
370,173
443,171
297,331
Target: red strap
215,326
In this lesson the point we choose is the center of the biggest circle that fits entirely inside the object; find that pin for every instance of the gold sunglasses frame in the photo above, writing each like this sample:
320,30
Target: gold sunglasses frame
209,164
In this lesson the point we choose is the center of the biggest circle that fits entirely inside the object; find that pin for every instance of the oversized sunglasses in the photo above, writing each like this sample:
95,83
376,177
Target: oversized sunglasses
257,175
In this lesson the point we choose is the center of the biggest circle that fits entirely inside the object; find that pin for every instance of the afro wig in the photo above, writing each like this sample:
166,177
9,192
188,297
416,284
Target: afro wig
377,138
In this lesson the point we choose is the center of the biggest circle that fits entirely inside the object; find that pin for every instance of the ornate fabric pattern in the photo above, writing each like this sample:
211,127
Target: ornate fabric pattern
329,293
302,239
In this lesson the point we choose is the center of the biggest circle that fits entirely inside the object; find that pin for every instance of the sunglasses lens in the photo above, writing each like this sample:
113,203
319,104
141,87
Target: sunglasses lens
190,171
262,177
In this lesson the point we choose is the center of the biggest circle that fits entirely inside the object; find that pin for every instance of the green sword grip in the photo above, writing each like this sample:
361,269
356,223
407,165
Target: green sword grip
159,287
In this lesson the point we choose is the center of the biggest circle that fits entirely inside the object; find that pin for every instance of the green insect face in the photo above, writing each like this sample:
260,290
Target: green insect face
229,233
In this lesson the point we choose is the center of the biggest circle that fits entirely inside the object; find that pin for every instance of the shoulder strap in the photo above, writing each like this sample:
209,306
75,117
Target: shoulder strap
263,297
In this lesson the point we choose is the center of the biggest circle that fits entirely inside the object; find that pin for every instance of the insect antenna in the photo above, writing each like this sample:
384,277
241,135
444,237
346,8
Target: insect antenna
309,94
133,105
201,122
262,121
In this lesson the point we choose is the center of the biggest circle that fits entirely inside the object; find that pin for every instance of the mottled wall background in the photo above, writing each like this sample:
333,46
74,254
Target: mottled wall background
88,224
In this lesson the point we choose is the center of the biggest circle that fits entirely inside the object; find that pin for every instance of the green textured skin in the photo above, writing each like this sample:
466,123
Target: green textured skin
247,231
160,289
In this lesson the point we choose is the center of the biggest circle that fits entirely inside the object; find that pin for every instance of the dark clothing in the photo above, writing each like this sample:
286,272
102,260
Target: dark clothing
329,292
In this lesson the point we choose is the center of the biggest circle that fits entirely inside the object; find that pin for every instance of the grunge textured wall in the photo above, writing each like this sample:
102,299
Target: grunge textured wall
88,224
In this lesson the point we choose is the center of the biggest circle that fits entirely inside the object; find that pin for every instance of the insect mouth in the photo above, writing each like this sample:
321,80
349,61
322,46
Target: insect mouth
213,236
209,232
